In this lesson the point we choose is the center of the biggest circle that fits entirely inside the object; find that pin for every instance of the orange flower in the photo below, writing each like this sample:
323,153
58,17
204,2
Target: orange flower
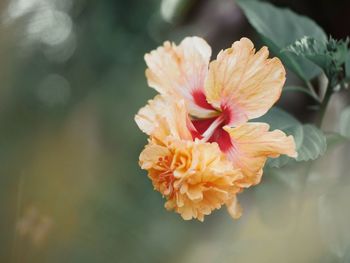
201,116
194,176
239,85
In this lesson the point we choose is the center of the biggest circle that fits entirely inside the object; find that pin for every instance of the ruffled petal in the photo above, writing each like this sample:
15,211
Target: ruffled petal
252,144
194,177
181,71
246,82
163,117
147,116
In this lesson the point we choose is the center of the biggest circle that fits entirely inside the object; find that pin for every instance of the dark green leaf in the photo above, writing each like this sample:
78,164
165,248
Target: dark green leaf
278,119
281,31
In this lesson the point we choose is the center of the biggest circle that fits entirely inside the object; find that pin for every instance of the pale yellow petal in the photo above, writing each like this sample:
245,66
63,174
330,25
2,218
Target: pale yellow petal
163,117
246,81
233,208
253,143
147,116
180,71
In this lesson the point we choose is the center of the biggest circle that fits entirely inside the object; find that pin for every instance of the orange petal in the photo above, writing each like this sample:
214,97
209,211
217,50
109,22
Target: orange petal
195,177
253,143
181,71
151,154
245,81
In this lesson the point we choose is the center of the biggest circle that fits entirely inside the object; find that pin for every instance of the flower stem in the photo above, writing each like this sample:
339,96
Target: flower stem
324,106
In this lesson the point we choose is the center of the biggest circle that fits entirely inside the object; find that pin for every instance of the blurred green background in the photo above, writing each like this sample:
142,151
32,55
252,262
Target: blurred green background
71,81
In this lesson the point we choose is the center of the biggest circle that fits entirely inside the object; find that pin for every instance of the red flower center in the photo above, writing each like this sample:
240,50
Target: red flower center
200,99
211,129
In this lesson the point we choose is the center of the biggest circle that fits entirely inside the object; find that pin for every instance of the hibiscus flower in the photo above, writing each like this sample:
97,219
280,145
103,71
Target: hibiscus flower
218,99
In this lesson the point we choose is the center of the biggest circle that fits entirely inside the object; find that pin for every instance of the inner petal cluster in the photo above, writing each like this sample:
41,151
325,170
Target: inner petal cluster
194,177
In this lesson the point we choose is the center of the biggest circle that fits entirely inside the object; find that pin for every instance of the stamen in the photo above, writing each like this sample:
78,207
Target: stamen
211,129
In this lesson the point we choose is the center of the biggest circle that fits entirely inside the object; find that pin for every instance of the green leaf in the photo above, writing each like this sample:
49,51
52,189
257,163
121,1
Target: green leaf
313,145
344,124
278,119
280,25
279,28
